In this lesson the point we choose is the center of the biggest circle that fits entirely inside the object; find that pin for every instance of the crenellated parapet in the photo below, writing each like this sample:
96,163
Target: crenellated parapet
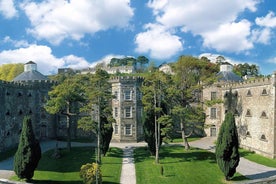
126,79
249,83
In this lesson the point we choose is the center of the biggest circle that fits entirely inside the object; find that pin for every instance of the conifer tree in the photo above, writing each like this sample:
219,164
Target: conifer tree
227,153
28,152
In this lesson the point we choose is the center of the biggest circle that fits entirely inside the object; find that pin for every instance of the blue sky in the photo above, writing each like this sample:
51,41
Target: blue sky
81,33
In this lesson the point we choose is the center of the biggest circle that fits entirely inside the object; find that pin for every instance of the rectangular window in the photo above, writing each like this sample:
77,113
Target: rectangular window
116,95
128,129
116,112
128,113
213,95
116,129
213,113
127,95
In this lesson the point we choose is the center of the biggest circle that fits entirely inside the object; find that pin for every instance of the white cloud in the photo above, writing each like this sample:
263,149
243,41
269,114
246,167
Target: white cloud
158,42
56,20
207,19
268,21
7,9
43,56
262,35
16,43
229,37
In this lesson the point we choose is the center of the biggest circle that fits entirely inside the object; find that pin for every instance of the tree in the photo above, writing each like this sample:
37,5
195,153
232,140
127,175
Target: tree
9,71
64,99
227,148
190,74
97,109
246,70
143,61
28,152
157,122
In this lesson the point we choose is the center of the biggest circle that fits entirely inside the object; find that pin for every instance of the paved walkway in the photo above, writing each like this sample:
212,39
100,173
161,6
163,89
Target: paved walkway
247,168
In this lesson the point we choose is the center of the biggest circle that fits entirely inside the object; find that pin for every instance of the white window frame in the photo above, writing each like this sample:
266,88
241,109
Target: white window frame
128,112
128,95
116,129
213,113
115,112
128,129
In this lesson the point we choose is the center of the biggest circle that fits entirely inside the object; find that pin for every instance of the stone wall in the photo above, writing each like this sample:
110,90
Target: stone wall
256,113
19,100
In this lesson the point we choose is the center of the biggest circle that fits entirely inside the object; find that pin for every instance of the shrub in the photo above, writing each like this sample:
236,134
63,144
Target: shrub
89,172
28,152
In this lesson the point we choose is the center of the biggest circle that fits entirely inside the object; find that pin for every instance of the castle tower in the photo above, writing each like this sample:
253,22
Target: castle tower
127,109
30,73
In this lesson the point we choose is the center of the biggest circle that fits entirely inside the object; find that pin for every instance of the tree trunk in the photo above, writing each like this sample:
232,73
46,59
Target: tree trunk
156,133
68,128
184,137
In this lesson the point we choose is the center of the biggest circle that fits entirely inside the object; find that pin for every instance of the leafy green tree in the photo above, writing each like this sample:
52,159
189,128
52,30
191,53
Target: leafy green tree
190,74
64,98
143,61
9,71
227,148
97,109
157,122
28,152
246,70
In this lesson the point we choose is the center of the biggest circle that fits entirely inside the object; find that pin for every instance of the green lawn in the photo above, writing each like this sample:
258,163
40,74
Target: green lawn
190,139
66,169
194,167
257,158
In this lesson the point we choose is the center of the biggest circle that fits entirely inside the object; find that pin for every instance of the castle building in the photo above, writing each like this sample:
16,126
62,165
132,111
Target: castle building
256,107
25,95
127,109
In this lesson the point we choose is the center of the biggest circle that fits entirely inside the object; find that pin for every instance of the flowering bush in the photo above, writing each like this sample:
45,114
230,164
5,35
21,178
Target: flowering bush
90,173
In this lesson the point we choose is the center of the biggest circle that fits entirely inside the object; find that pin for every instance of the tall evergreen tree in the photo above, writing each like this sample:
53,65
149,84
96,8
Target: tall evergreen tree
227,149
28,152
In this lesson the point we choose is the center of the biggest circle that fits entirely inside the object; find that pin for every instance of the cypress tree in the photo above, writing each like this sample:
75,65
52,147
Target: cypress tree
28,152
227,148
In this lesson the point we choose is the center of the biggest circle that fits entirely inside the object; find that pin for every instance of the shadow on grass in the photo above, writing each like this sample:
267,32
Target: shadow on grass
194,154
64,182
55,182
69,161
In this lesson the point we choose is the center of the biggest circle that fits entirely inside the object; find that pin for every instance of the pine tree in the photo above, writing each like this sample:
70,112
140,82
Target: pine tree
227,150
28,152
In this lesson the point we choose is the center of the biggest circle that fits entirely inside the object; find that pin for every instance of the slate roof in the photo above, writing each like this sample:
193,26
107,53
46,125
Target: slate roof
30,76
228,76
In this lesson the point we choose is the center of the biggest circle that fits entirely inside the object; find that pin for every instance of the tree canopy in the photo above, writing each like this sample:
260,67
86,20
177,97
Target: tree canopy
9,71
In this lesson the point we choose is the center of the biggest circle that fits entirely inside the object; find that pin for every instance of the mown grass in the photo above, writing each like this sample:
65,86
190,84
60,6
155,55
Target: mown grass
195,166
66,169
252,156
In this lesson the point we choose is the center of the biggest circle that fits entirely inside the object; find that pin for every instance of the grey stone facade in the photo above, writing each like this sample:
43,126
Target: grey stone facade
255,118
127,109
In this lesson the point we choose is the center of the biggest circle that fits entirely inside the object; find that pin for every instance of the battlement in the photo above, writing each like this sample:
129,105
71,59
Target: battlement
249,83
27,84
124,79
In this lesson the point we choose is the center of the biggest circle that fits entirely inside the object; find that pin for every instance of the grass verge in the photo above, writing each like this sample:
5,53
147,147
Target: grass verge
195,166
252,156
66,169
